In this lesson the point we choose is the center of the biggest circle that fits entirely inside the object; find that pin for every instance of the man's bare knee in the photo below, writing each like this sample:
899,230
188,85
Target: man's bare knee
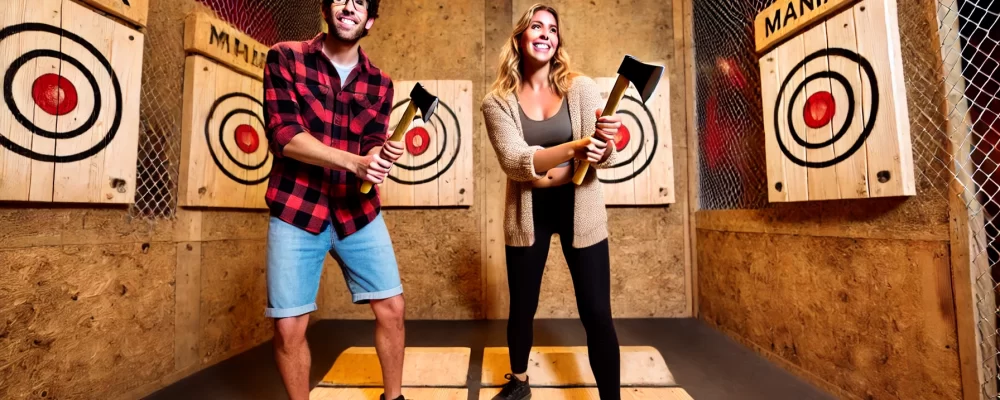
290,332
389,312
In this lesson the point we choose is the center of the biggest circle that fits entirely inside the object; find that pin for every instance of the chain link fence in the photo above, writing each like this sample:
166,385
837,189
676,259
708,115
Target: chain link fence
953,82
159,157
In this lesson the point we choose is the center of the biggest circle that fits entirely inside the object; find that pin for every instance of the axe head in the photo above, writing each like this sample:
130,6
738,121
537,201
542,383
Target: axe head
424,101
645,77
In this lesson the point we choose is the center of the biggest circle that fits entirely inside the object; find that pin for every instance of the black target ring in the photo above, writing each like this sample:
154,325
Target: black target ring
8,92
440,154
222,141
8,95
869,124
208,138
642,141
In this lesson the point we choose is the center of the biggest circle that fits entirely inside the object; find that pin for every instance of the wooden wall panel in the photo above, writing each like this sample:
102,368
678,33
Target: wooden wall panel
134,11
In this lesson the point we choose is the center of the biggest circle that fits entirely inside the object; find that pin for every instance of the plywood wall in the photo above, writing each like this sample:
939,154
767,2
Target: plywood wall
854,296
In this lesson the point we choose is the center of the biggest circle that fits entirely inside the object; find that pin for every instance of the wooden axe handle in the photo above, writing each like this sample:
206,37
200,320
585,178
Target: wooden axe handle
397,135
610,108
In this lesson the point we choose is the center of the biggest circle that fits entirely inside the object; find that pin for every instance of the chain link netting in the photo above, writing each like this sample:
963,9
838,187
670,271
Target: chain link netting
159,156
953,83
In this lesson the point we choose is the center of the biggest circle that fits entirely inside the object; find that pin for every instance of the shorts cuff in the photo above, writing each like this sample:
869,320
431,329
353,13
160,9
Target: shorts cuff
362,298
289,312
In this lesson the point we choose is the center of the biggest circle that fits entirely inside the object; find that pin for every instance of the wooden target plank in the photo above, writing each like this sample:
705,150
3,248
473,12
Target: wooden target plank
643,173
436,168
134,11
328,393
23,178
813,103
890,155
837,123
225,160
592,394
570,366
422,366
851,173
74,102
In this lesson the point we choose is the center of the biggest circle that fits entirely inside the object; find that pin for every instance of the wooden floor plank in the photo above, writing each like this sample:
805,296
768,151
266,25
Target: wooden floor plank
591,394
422,366
570,366
328,393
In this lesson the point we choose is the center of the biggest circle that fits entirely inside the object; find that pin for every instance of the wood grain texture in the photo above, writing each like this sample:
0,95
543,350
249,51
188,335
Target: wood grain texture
233,297
422,366
570,366
874,317
134,11
325,393
591,394
76,318
787,18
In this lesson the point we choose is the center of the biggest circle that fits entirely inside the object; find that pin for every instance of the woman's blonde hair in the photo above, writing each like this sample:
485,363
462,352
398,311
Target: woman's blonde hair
509,70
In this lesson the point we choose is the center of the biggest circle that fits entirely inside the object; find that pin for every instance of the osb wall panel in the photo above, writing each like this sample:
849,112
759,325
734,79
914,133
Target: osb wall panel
438,250
233,298
872,317
646,243
84,321
26,227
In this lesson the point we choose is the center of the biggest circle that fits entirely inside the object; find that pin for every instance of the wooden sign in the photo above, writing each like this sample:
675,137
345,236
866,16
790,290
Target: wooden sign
644,173
225,160
69,123
214,38
786,18
835,112
436,168
134,11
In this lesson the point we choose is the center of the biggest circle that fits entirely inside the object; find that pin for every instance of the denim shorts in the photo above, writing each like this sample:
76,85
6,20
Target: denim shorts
295,265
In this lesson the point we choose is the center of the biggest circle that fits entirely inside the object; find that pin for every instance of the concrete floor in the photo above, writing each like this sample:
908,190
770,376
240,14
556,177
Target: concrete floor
706,363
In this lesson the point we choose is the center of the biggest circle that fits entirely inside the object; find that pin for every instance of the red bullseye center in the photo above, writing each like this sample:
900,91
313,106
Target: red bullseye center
819,109
54,94
622,137
247,139
417,141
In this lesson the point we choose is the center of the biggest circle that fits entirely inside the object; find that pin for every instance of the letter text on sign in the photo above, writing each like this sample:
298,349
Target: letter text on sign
214,38
786,18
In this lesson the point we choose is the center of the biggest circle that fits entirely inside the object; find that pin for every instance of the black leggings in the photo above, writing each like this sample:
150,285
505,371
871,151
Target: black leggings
590,268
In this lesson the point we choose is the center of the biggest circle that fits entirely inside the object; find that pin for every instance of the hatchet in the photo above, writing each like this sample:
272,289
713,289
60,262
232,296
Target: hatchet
420,99
645,77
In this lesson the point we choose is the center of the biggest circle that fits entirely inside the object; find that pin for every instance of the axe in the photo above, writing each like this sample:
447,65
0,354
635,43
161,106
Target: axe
645,77
421,99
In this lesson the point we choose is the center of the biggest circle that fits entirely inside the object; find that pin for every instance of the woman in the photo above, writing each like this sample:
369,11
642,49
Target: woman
542,121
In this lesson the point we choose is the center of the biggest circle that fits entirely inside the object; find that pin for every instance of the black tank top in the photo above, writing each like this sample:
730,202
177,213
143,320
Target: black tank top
548,132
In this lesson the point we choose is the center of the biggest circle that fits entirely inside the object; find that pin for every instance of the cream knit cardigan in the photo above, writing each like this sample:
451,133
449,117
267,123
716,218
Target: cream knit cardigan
503,125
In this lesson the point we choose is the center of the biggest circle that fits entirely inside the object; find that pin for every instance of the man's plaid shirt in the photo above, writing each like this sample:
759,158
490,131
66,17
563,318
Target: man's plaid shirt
302,94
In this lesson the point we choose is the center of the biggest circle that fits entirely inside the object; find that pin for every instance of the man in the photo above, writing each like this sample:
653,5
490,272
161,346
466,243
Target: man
327,111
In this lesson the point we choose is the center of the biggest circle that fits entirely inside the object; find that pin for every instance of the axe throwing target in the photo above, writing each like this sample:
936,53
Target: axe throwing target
643,170
834,101
70,115
436,166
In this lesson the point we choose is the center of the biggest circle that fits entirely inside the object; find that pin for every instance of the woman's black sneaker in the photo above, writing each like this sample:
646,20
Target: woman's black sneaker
514,389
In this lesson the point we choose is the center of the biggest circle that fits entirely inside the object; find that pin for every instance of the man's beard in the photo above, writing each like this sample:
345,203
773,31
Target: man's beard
345,36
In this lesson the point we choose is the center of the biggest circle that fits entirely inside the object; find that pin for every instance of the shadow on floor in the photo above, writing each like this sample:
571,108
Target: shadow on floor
706,363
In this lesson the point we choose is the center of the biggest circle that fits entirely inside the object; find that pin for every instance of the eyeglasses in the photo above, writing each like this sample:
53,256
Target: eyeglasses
358,4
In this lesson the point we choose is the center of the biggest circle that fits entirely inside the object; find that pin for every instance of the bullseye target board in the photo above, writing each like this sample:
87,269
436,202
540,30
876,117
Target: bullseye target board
644,171
834,101
225,158
70,116
436,166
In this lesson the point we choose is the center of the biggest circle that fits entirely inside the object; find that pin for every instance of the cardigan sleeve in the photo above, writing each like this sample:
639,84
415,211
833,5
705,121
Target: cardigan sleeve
517,159
590,101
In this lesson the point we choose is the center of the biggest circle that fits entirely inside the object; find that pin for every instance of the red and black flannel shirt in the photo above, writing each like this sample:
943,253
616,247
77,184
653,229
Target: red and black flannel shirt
302,94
